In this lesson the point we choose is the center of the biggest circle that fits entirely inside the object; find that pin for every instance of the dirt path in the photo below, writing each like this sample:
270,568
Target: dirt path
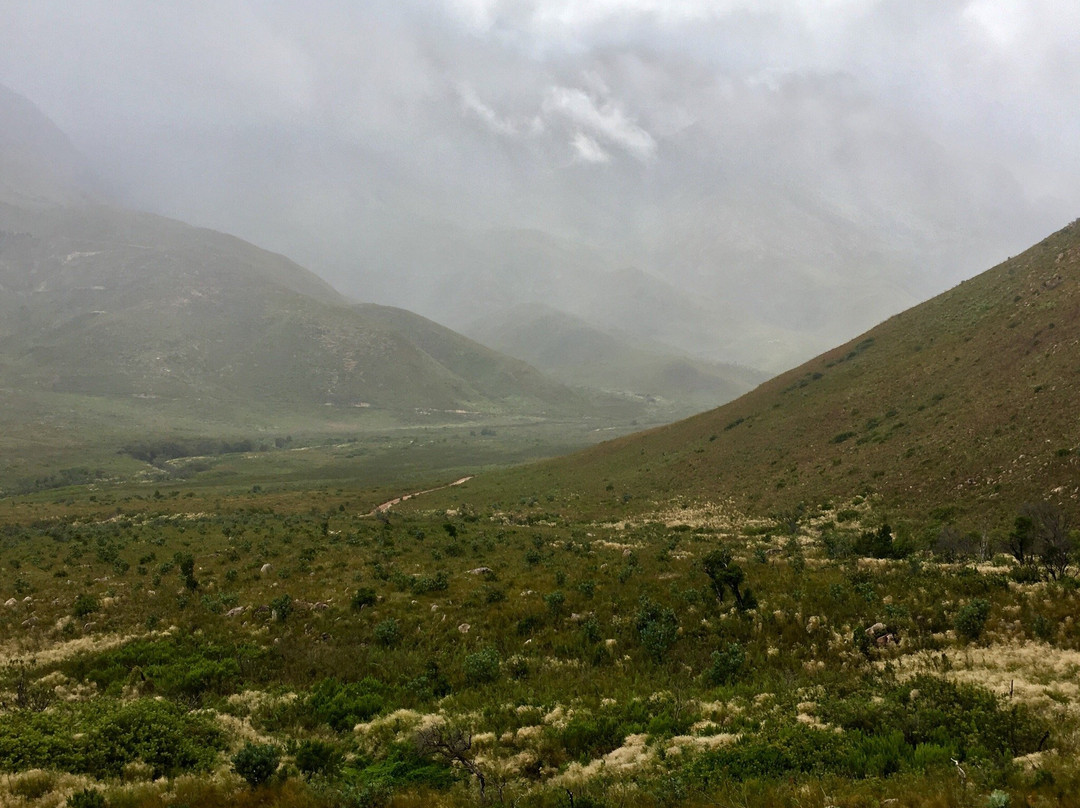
391,503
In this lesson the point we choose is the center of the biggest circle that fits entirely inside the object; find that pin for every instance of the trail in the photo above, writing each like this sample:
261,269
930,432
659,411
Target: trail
391,503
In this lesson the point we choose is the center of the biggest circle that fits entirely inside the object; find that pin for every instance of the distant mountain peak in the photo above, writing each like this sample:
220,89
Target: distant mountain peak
39,166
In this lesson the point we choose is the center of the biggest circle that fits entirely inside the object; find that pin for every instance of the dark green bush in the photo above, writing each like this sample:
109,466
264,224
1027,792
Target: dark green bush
318,757
256,762
482,667
971,619
388,633
85,605
657,627
364,597
727,664
343,706
101,737
87,798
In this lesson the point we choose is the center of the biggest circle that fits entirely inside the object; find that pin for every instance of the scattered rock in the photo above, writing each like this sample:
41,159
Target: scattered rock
11,603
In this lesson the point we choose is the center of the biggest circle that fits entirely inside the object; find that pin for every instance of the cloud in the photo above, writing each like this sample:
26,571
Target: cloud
489,117
588,150
605,120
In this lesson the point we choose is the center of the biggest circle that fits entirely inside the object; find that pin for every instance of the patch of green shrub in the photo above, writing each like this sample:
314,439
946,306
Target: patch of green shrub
971,619
482,667
256,762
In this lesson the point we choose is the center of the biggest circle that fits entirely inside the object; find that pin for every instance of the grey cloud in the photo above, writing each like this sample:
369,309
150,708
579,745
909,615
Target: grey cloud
757,153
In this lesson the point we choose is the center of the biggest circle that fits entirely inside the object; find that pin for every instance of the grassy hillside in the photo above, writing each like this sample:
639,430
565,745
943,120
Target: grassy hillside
959,409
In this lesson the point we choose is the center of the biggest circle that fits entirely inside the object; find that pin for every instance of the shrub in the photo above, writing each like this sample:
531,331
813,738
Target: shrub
256,762
343,706
87,798
282,607
727,664
388,633
657,627
971,619
85,605
482,667
318,757
364,597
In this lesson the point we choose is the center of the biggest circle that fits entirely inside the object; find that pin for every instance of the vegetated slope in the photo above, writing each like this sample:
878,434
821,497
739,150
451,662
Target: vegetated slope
961,408
576,353
111,303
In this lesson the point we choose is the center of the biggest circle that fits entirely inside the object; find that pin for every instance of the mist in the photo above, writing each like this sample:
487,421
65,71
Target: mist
747,182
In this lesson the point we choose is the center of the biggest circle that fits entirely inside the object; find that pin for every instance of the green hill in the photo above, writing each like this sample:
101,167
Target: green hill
959,409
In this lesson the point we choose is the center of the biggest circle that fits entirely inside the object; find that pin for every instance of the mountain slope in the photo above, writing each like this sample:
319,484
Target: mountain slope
961,408
576,353
111,303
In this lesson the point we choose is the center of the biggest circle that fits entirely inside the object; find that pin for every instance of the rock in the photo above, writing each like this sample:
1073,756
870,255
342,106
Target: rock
481,571
321,606
464,628
265,568
239,610
11,603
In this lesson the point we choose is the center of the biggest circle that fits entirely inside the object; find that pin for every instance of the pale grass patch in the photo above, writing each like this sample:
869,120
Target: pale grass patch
251,700
45,653
240,729
40,789
681,743
1030,672
633,755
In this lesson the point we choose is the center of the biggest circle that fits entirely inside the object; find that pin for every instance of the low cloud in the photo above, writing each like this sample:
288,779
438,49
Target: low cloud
604,120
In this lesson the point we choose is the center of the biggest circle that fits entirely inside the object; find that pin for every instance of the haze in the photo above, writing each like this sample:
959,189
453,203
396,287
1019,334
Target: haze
767,179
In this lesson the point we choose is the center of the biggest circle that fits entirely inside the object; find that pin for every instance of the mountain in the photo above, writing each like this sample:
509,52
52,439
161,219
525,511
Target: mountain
111,303
115,323
576,353
38,164
959,409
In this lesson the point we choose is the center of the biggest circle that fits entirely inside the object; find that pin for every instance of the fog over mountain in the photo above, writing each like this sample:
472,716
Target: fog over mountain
749,182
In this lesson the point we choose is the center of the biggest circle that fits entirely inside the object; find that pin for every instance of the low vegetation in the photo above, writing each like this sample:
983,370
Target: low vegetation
264,649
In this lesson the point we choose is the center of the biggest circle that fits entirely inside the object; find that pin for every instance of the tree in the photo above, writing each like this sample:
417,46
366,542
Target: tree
1053,542
725,575
453,744
1021,540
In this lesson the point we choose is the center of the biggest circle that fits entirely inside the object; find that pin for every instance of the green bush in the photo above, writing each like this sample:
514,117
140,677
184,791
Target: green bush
388,633
364,597
318,757
482,667
85,605
971,619
343,706
256,762
100,737
657,628
87,798
727,664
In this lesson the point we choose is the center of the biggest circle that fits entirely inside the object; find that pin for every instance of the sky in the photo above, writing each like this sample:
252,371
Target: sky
822,163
